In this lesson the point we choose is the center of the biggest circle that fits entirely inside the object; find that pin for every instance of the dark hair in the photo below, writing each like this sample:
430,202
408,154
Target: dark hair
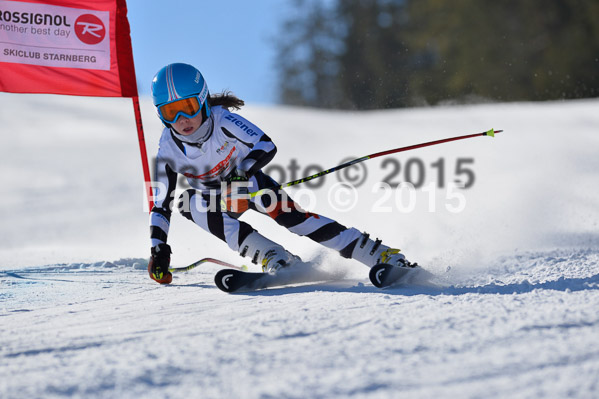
226,99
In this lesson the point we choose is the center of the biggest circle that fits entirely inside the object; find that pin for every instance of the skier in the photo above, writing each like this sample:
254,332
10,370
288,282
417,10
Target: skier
222,155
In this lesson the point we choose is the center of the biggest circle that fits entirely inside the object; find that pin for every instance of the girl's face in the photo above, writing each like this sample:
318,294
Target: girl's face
186,126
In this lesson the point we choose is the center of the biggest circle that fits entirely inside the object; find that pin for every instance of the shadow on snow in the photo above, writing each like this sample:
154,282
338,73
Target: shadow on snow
562,284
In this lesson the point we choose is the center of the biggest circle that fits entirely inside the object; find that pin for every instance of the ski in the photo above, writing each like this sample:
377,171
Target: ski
384,275
233,280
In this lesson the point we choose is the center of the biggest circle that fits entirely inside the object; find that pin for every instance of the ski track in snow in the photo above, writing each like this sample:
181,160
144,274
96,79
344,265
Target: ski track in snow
525,327
511,312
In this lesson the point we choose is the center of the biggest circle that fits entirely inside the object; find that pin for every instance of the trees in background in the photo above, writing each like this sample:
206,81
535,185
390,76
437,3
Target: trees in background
370,54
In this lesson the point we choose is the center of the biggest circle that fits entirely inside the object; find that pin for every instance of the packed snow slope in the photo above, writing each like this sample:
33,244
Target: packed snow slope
511,310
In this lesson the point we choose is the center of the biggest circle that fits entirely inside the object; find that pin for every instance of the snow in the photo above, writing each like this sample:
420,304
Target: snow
511,311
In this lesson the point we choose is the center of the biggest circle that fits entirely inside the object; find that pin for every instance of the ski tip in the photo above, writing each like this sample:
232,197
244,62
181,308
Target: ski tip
378,275
224,278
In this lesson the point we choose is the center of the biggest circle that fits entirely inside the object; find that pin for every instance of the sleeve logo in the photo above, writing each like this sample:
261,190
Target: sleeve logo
248,130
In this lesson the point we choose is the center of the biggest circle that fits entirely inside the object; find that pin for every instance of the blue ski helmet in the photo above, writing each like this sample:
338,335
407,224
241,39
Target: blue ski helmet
179,81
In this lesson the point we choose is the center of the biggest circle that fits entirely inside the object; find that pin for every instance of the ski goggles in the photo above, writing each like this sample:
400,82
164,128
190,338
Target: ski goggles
188,107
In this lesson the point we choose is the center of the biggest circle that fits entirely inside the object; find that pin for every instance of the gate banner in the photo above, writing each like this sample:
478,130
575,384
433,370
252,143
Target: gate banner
76,47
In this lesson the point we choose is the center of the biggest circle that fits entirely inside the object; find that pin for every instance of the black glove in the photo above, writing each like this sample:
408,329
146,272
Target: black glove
159,263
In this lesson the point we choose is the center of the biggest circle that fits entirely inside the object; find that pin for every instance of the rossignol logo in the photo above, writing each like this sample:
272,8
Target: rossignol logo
242,126
29,18
37,33
90,29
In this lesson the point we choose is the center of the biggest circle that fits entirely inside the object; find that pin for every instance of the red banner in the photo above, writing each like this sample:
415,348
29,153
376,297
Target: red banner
76,47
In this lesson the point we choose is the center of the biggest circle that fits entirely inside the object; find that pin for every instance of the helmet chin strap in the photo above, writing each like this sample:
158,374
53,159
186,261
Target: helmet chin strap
200,135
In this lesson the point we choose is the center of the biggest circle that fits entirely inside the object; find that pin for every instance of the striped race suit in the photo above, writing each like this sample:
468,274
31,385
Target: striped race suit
234,144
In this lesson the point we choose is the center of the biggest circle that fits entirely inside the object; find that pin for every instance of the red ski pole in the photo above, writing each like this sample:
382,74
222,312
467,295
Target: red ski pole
371,156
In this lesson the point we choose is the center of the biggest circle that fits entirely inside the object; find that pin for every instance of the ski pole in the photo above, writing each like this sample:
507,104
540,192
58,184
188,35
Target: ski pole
371,156
205,260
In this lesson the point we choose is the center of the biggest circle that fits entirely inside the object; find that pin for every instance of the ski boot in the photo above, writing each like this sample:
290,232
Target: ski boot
267,253
372,253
